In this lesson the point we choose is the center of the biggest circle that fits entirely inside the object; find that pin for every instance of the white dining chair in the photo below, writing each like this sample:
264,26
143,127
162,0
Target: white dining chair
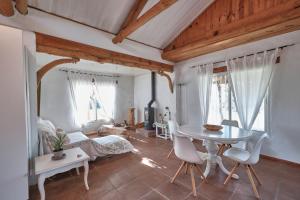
191,158
226,122
172,128
248,158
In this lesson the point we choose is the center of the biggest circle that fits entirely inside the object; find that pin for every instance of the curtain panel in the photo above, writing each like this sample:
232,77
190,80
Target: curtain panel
106,93
250,77
205,73
81,88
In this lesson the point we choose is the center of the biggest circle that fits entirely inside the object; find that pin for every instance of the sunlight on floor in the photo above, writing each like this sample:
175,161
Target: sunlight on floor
151,163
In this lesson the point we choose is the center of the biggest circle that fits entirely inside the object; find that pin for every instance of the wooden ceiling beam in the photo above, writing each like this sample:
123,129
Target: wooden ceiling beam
147,16
41,72
66,48
22,6
134,12
224,25
6,8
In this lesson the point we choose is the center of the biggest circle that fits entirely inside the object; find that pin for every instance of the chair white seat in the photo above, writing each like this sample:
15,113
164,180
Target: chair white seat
248,158
237,154
203,156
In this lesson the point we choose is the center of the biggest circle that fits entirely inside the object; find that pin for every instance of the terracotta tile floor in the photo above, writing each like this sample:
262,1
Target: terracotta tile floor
146,175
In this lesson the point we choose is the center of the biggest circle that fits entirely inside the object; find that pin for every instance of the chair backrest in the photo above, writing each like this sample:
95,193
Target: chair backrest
234,123
172,128
183,147
254,146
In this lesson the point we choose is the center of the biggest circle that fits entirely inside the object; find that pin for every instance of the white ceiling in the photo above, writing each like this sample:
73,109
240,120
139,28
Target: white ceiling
89,66
109,15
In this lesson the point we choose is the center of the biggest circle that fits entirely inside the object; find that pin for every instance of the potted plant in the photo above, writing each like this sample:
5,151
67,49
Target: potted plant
57,144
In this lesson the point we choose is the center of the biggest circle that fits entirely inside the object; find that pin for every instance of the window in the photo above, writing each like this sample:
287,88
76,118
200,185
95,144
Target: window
222,105
101,108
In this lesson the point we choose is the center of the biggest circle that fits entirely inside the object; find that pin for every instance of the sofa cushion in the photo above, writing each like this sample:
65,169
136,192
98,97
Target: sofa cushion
76,137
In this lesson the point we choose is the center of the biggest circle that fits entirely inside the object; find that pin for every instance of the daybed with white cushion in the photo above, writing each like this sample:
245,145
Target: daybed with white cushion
96,147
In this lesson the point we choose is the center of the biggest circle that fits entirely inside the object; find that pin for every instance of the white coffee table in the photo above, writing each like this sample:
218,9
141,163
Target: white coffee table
46,167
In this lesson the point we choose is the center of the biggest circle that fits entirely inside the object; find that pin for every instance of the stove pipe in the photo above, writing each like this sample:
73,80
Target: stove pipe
149,111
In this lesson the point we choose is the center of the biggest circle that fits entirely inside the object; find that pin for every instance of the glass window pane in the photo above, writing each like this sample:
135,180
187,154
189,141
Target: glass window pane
218,109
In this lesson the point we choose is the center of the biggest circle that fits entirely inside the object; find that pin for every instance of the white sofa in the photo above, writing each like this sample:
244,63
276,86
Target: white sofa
96,147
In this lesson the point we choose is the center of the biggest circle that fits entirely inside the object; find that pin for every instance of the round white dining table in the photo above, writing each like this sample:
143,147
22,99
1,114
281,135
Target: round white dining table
226,135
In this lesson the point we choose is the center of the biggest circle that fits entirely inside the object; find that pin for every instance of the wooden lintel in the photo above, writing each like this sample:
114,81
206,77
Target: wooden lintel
66,48
22,6
41,72
213,31
134,12
147,16
6,8
171,86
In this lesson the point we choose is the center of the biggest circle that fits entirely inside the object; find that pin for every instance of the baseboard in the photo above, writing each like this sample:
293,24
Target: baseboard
280,160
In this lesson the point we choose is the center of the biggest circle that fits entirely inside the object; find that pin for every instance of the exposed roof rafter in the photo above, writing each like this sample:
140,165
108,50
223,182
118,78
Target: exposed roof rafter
134,12
147,16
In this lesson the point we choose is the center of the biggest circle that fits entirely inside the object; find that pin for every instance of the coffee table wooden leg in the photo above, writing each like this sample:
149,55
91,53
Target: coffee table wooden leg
41,181
86,172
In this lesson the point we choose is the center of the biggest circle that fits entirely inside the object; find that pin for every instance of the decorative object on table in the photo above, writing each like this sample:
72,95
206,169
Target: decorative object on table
212,127
58,142
166,116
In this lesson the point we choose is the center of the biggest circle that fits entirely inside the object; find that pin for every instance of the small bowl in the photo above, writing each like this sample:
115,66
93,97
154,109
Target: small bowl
212,127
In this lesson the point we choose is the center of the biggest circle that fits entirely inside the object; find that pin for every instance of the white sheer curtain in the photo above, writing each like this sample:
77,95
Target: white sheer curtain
106,93
81,88
205,82
250,77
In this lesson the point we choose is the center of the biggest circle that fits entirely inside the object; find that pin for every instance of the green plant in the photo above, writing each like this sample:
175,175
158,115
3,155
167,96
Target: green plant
58,142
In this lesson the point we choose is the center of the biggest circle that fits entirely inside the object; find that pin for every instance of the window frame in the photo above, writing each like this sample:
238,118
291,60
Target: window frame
266,101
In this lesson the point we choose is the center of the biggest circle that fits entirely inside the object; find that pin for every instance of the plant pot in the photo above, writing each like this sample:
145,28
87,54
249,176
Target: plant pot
58,154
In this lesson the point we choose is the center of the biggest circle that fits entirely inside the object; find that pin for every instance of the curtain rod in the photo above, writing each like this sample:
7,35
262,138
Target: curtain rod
222,61
89,73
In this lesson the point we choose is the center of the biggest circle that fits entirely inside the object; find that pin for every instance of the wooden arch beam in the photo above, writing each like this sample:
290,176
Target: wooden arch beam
22,6
41,72
147,16
6,8
171,86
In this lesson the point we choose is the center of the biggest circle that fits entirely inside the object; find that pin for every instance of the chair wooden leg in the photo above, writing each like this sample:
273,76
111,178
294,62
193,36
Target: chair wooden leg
252,181
201,173
193,180
186,168
255,175
231,173
221,148
178,171
170,152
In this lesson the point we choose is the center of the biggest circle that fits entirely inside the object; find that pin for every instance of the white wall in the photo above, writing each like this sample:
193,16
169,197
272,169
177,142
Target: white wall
13,142
142,95
285,108
285,93
56,103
